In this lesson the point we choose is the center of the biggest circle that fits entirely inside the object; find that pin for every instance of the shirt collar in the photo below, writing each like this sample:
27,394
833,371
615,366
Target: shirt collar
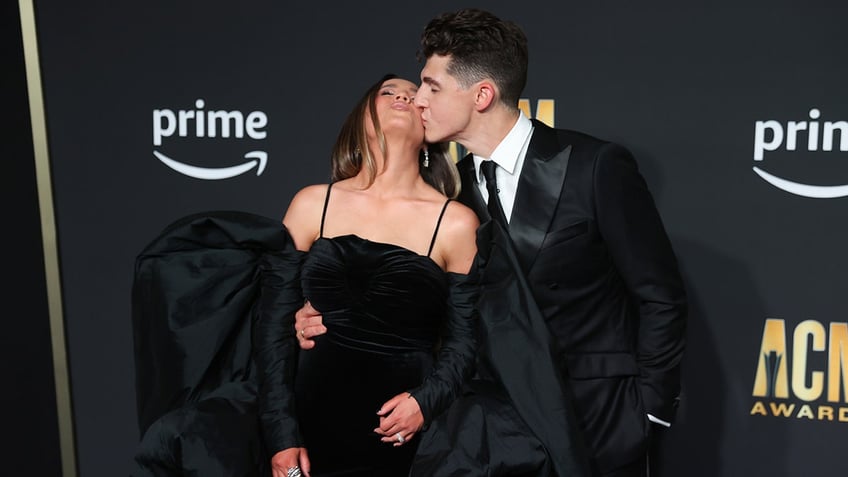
506,153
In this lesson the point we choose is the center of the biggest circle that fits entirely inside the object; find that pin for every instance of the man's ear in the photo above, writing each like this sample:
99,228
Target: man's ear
486,95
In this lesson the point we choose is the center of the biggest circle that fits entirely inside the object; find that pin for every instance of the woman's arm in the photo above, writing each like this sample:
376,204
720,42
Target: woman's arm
275,346
456,354
408,412
274,339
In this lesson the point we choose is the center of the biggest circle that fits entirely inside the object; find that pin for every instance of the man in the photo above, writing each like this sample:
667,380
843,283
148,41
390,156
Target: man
575,242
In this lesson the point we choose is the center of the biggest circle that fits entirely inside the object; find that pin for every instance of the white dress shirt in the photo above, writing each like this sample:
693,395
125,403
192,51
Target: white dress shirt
509,156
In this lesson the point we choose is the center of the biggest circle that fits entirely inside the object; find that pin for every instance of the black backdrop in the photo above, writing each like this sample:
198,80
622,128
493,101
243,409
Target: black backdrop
30,427
683,86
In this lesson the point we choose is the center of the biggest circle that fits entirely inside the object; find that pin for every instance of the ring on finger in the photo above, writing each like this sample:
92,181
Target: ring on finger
400,438
302,333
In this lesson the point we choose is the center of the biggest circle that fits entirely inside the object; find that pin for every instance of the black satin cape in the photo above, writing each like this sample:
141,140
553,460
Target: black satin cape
198,289
515,418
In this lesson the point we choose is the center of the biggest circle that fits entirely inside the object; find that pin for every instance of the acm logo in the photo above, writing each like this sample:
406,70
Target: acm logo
808,380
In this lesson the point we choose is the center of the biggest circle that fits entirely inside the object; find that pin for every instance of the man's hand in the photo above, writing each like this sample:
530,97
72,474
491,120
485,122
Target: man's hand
293,457
308,324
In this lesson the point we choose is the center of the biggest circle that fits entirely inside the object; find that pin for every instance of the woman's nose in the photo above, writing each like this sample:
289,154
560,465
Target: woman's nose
402,97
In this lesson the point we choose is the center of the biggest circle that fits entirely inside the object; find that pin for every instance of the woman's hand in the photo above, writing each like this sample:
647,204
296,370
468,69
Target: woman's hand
293,457
400,419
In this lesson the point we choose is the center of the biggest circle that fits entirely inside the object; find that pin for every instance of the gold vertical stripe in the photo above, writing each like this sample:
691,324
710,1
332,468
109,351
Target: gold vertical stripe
545,111
454,152
48,233
837,367
524,106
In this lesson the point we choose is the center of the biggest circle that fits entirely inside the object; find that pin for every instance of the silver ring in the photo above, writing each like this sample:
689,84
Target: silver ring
400,438
302,336
293,472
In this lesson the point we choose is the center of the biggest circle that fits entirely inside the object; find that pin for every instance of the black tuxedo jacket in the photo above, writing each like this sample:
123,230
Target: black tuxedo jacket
596,258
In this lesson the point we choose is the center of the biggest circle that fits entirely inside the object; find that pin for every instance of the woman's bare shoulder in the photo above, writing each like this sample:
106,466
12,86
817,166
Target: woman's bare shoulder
308,199
303,216
457,239
461,217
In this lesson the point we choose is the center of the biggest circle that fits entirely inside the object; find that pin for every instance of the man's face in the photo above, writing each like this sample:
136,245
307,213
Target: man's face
446,108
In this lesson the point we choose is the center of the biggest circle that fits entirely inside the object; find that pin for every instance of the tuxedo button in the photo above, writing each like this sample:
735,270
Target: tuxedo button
553,285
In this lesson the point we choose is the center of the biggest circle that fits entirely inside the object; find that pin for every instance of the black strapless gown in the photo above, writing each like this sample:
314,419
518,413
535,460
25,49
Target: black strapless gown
383,306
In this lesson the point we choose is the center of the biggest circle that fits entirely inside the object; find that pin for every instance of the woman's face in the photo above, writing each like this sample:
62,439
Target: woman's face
396,110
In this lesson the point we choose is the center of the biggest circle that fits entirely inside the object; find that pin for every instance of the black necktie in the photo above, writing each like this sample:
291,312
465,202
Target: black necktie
495,208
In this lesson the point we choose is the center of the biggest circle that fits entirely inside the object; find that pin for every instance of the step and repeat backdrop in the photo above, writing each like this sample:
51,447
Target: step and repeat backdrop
737,113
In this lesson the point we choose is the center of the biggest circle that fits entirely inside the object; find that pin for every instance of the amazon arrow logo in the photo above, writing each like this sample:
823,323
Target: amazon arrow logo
202,123
217,173
771,135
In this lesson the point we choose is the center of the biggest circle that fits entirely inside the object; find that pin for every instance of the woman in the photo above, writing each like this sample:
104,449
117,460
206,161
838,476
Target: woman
387,263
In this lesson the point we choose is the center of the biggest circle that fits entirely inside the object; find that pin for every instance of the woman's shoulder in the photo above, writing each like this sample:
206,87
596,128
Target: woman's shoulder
306,203
311,192
457,239
459,225
309,197
461,217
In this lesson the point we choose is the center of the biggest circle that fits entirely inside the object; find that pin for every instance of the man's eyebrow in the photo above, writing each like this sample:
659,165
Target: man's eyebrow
430,80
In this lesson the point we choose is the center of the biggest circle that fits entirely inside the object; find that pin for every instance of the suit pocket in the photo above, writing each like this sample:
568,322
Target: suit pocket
565,234
614,421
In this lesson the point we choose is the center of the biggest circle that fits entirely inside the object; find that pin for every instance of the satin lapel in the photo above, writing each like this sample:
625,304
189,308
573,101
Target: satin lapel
470,194
539,190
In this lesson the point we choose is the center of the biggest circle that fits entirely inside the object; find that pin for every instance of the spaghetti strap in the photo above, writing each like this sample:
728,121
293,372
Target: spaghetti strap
324,213
436,232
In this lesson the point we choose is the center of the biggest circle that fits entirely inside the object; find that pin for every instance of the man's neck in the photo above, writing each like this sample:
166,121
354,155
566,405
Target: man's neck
487,130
